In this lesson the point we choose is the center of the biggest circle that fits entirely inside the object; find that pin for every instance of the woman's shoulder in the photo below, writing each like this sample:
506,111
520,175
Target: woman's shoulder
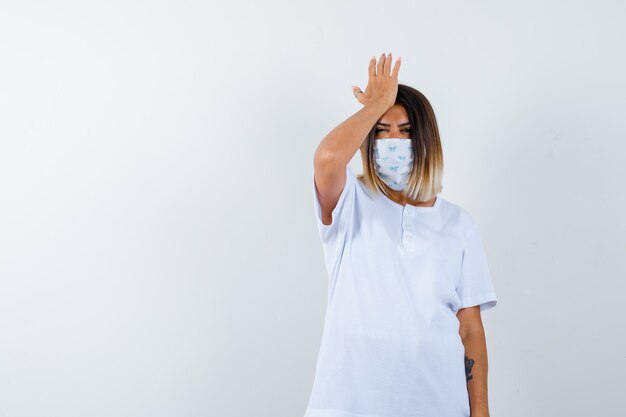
463,216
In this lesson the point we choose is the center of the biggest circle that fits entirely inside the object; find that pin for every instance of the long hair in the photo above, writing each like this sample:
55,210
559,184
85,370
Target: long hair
427,172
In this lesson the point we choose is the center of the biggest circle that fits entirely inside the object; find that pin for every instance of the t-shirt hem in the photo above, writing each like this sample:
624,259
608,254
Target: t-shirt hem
326,412
486,301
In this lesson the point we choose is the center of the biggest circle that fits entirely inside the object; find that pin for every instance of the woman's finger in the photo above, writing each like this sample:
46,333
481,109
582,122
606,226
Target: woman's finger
396,68
358,94
372,67
368,88
379,67
387,65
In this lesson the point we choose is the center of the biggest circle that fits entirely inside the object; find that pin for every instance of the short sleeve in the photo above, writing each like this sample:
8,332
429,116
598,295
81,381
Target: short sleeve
475,286
342,213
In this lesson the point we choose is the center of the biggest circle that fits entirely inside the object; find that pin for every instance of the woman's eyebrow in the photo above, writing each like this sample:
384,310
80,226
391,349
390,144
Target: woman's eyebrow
387,125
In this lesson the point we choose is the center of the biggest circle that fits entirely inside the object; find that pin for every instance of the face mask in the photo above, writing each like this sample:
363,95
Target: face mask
394,161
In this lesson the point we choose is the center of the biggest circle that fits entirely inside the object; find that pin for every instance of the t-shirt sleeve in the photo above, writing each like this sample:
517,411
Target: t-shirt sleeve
342,213
475,286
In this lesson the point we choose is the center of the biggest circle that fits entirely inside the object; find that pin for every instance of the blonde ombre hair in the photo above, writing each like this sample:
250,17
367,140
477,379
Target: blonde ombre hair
426,175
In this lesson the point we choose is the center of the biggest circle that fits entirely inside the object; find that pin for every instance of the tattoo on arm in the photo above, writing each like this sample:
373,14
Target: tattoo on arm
468,368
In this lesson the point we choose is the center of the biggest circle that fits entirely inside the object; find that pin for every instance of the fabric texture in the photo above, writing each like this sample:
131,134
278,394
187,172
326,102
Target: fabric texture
394,161
397,276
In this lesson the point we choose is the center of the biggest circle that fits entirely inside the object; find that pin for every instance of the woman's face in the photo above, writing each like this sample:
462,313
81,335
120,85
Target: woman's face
394,124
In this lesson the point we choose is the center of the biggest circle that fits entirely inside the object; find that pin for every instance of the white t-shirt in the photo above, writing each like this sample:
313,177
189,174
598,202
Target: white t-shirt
397,276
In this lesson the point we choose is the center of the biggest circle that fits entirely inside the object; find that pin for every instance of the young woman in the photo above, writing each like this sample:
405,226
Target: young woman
408,275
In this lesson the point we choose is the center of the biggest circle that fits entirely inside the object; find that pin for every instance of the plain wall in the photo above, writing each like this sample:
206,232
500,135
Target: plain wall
158,248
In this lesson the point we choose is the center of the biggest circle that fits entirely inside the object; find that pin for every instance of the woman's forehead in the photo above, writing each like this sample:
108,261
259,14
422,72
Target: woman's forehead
395,115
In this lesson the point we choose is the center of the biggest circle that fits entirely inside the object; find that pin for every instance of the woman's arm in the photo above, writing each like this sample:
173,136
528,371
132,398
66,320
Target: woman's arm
339,146
473,337
380,94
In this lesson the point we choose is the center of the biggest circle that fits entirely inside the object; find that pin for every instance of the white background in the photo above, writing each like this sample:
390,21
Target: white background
158,248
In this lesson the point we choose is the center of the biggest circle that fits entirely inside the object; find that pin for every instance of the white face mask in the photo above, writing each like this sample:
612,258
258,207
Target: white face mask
394,161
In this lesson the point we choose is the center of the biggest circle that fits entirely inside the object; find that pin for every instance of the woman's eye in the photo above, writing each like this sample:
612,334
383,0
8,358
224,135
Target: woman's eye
403,130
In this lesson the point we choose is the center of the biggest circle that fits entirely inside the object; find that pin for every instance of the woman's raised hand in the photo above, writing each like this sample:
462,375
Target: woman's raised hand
382,86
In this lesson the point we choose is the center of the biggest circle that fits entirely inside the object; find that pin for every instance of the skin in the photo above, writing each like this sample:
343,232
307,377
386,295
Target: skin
473,336
340,144
330,160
